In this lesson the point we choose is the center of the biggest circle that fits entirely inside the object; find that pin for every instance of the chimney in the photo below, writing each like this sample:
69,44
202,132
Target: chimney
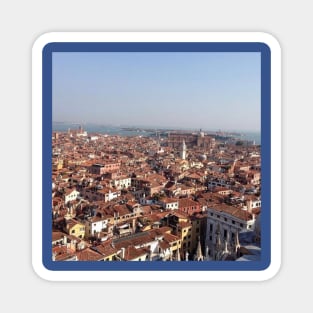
134,225
123,253
249,205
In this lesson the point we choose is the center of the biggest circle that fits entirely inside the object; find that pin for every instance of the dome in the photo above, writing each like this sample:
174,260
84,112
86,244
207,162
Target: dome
202,157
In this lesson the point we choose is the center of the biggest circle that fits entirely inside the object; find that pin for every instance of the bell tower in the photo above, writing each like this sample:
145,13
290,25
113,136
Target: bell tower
183,151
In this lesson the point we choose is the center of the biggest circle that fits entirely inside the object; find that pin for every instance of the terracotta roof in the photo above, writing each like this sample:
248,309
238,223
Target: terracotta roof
62,253
71,222
105,248
132,253
57,235
234,211
185,202
88,255
164,245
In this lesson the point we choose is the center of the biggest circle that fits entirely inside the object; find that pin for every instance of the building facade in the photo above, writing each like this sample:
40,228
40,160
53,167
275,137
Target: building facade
223,224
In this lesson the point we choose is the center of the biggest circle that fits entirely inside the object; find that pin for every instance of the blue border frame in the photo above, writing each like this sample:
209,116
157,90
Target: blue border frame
47,52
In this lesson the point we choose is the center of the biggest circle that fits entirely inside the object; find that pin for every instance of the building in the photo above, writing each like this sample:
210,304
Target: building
169,203
102,168
152,245
224,222
188,206
183,151
70,194
100,194
198,232
74,228
196,139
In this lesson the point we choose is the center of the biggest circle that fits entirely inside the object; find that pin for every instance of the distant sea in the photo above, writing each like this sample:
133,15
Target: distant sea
137,131
100,129
251,136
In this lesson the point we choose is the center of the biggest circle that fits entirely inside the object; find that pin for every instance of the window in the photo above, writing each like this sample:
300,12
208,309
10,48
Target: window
241,225
218,216
233,222
225,233
225,219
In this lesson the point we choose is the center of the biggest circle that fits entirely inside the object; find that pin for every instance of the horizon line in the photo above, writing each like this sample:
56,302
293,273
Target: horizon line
155,127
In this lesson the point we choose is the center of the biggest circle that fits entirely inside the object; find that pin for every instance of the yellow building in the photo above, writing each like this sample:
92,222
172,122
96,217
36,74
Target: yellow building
58,165
74,228
181,225
184,233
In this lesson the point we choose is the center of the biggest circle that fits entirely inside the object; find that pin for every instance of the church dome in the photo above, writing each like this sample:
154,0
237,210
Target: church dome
202,157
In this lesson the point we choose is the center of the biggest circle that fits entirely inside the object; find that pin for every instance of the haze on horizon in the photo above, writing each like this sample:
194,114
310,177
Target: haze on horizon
158,89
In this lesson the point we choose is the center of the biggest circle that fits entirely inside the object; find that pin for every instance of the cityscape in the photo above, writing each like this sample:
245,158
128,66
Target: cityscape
183,184
155,196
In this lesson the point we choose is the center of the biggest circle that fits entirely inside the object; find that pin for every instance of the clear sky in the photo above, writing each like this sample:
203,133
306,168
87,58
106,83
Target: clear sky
159,89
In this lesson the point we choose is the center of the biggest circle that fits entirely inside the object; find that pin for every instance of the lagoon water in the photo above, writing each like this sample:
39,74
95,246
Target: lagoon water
139,131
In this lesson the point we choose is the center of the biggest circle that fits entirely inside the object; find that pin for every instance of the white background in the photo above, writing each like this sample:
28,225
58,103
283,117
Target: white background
22,22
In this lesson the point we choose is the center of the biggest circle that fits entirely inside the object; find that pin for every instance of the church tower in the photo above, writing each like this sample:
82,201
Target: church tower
183,151
232,168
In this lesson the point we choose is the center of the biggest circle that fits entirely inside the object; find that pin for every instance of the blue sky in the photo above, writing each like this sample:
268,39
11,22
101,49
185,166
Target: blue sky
159,89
